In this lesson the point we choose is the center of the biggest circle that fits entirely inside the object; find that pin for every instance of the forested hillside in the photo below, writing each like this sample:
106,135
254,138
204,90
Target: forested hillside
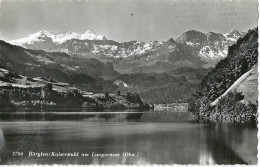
174,86
242,56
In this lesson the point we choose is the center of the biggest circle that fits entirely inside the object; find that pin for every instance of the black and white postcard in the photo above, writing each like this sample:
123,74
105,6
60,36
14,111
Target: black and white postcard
128,82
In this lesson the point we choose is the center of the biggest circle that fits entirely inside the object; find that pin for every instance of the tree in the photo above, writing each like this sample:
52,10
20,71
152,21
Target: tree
239,96
106,94
244,66
48,87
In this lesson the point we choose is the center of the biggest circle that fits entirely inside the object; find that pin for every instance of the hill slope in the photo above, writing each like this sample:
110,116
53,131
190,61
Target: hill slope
173,86
246,84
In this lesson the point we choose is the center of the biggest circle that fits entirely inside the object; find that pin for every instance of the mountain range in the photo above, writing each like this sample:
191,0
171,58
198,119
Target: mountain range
191,49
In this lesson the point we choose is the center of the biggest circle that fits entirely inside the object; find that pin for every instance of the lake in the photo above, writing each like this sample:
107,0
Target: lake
122,138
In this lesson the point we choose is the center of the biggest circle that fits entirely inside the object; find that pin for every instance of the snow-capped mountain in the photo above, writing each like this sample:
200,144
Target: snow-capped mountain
233,35
47,36
210,47
191,49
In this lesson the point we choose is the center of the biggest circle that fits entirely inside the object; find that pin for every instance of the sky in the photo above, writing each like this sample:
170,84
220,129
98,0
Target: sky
126,20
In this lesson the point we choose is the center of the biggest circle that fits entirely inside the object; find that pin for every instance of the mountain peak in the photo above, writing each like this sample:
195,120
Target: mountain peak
89,31
192,36
171,40
235,34
43,32
234,31
212,36
91,35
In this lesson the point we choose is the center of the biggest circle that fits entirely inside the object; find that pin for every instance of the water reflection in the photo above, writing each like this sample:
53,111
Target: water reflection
94,116
205,156
226,140
157,138
2,140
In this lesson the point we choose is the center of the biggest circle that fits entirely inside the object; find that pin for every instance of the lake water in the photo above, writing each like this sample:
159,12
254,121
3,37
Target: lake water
143,138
